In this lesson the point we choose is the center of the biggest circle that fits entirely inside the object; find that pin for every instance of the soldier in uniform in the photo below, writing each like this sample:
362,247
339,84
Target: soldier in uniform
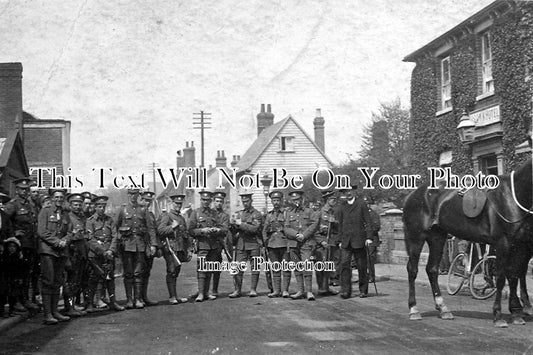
276,241
134,223
35,199
23,217
202,227
54,229
103,246
223,224
247,226
147,198
300,226
87,208
326,239
78,255
174,238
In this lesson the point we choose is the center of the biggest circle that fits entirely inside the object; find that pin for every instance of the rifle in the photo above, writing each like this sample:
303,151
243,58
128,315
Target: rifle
268,274
174,256
99,270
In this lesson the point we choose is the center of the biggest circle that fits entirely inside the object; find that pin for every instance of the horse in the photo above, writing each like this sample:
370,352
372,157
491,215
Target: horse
504,221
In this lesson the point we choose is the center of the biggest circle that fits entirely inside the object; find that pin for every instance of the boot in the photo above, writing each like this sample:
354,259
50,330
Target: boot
128,287
322,289
32,307
202,282
112,299
89,308
55,313
137,294
276,283
301,290
99,294
47,310
255,280
286,283
309,287
214,290
238,286
146,301
171,286
69,308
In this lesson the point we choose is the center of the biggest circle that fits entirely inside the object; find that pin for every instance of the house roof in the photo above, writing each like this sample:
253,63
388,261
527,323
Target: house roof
498,6
7,145
263,141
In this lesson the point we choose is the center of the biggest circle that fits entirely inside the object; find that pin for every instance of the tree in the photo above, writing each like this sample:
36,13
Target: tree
386,146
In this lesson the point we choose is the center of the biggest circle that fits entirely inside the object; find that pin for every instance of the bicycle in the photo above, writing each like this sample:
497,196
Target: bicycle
480,279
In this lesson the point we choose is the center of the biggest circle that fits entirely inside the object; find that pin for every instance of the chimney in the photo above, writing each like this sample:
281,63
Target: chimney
264,119
11,98
180,160
235,160
220,161
318,122
189,155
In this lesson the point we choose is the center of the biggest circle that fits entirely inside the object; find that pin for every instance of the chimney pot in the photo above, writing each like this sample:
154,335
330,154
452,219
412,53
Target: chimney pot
318,112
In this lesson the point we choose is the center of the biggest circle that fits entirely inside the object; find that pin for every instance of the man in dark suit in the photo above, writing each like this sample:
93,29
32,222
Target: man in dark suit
355,232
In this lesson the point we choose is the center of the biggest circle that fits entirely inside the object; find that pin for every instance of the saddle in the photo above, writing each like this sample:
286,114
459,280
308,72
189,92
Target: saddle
473,202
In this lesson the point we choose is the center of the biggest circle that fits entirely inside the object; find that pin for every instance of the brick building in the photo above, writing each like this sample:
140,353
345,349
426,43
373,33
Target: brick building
27,141
47,144
478,72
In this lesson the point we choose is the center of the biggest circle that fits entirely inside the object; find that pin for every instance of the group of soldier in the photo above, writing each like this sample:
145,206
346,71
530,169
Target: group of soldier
294,233
68,241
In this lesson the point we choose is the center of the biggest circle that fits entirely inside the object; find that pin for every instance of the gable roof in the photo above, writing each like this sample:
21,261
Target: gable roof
263,141
7,145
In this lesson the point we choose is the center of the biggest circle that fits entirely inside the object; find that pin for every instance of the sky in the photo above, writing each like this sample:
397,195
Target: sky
130,74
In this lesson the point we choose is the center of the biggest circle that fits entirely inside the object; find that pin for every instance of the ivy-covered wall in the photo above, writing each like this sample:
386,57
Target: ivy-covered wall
512,50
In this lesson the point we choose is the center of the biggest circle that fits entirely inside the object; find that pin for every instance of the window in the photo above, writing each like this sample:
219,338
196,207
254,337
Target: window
489,164
286,144
446,84
486,59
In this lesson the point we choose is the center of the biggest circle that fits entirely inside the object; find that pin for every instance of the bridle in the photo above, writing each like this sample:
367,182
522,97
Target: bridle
513,193
514,196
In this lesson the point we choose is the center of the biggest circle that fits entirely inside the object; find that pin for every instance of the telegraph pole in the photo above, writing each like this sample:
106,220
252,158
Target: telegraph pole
202,123
155,206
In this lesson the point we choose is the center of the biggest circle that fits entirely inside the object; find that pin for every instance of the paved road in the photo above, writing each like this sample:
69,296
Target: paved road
375,325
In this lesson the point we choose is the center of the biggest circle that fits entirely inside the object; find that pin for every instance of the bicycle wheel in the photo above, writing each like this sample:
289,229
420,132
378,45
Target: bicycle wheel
456,274
483,278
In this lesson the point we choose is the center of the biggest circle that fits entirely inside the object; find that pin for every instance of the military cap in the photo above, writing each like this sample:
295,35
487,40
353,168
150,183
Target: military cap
352,187
43,198
245,194
87,195
133,190
219,194
100,200
206,195
12,240
148,195
75,197
52,191
327,194
23,182
276,194
4,198
178,198
296,194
